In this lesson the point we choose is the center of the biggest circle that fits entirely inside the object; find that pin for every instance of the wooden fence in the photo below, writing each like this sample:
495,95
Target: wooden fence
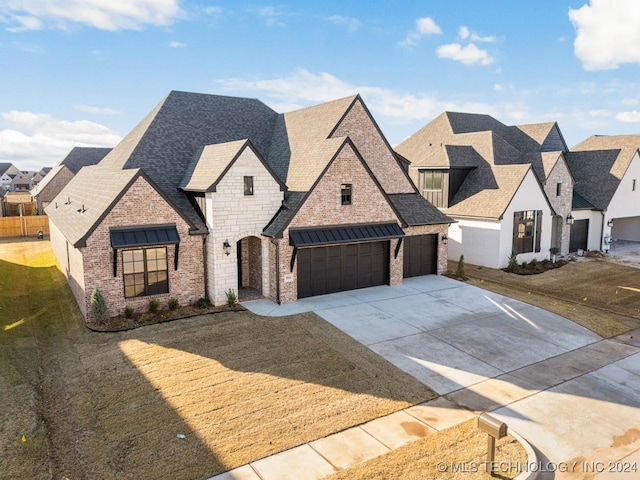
24,226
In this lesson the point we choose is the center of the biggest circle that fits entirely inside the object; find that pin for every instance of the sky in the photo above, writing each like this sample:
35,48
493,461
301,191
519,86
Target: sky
85,72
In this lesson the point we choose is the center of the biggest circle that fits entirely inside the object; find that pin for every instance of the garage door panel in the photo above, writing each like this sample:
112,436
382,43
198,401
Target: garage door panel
420,255
342,267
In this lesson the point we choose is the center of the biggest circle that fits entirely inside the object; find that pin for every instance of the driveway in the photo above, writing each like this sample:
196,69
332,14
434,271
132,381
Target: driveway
573,395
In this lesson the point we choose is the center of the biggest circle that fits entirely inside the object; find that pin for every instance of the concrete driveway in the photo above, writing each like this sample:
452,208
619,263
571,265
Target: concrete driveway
573,395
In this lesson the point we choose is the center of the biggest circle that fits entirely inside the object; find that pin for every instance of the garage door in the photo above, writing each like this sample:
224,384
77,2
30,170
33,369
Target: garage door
420,255
626,229
342,267
579,235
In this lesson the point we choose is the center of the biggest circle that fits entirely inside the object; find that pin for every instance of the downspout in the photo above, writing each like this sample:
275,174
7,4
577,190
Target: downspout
206,266
601,233
275,243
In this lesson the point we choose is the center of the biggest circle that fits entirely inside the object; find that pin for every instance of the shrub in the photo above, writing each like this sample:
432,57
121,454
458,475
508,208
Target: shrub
513,262
533,262
128,312
460,268
232,298
203,303
173,304
153,306
99,308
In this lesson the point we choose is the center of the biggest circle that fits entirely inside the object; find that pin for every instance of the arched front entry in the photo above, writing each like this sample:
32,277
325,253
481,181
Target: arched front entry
249,268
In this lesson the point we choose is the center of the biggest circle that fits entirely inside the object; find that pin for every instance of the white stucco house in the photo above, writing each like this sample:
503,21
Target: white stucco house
606,204
508,187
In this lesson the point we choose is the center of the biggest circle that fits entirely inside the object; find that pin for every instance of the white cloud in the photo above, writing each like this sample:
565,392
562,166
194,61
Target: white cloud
463,33
424,26
272,16
628,117
607,33
304,87
97,110
33,140
630,102
101,14
26,22
213,10
176,44
352,24
468,55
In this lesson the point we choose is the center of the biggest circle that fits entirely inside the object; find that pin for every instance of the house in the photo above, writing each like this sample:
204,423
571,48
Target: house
508,187
7,172
23,181
211,193
606,202
57,178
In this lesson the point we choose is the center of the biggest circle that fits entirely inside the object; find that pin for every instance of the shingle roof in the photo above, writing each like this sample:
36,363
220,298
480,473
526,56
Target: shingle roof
592,172
4,166
290,205
627,144
77,158
578,202
499,154
208,164
414,209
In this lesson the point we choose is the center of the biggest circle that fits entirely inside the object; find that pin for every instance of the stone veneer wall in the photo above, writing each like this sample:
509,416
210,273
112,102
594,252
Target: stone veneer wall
562,203
233,216
142,205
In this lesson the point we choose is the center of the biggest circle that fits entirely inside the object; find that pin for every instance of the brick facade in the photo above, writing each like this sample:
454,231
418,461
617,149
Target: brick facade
140,205
358,126
323,207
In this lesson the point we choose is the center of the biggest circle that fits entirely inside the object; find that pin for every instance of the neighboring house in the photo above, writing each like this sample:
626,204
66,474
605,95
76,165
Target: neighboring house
3,191
606,204
23,181
7,172
211,193
58,177
508,187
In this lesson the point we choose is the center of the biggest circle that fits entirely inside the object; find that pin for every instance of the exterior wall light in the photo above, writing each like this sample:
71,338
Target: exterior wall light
445,239
610,222
570,220
226,247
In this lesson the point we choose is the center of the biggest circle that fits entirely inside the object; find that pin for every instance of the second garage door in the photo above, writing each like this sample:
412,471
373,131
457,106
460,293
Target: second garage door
420,255
342,267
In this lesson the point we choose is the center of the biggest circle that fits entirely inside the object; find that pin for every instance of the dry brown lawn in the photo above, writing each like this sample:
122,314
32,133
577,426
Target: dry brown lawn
599,295
457,453
238,386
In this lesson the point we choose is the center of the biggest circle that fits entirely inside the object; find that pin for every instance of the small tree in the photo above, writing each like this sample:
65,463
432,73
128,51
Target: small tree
232,298
99,308
460,269
513,262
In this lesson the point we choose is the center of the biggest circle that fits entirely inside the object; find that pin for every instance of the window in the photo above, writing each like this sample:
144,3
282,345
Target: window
145,272
345,194
558,189
633,185
248,185
527,230
430,183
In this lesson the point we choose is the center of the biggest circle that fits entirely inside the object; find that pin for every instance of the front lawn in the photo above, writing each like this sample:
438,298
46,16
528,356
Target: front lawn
186,399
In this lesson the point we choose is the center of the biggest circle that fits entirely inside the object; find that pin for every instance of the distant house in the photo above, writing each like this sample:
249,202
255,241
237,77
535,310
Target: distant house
508,187
606,202
62,173
210,193
23,181
7,172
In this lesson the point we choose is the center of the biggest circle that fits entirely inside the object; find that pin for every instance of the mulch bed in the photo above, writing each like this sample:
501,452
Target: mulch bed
121,323
533,268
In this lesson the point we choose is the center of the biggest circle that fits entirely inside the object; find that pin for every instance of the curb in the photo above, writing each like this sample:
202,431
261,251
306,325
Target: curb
532,458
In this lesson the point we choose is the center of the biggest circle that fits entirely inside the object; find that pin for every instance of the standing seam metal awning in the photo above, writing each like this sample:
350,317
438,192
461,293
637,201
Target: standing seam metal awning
344,234
144,236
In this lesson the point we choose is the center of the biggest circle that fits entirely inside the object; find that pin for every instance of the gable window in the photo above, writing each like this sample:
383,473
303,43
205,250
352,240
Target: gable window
527,230
145,272
558,189
248,185
430,184
345,193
